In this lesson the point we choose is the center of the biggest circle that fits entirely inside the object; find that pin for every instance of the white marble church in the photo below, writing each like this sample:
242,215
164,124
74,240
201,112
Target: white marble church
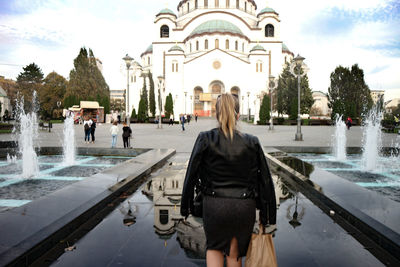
211,47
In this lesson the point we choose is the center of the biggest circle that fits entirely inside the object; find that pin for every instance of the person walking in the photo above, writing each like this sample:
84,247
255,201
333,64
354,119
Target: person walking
182,119
188,118
171,119
230,170
114,132
86,126
92,130
349,121
195,117
126,134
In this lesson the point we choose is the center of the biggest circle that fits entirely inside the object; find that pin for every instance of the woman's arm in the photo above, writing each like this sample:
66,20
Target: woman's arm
192,174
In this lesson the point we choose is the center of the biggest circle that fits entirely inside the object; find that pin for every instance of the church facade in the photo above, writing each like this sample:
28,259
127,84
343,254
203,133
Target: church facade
211,47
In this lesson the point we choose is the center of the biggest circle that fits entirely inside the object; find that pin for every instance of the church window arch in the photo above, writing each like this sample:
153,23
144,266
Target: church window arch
197,45
285,59
148,61
206,44
190,45
259,66
216,43
227,3
196,4
188,7
237,4
245,6
243,47
205,3
216,3
134,78
164,31
269,30
164,217
227,44
236,45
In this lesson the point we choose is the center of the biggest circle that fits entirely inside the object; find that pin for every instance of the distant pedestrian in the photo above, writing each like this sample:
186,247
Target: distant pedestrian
119,118
114,132
182,119
126,134
195,117
349,121
92,130
86,126
188,118
171,119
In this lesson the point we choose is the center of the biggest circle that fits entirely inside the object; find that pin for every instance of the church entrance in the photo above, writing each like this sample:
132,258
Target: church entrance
216,88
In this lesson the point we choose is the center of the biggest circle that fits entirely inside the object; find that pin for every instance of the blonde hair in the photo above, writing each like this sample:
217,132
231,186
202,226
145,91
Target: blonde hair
227,108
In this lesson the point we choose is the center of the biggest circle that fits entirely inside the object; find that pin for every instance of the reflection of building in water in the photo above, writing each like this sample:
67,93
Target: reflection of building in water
191,237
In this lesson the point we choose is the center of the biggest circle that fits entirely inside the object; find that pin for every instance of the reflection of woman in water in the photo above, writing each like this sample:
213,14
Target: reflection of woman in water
236,176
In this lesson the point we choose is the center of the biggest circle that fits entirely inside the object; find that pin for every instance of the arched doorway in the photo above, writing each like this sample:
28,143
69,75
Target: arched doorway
216,88
198,105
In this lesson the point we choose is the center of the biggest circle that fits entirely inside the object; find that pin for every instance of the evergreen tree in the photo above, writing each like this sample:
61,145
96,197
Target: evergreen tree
348,94
152,100
133,115
169,106
87,82
145,98
265,110
142,112
28,81
52,91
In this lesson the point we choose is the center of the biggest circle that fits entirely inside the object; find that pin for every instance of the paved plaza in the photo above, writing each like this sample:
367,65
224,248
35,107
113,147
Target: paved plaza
148,136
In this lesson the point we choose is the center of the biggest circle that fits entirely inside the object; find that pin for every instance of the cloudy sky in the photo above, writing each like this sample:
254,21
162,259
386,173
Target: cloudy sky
327,33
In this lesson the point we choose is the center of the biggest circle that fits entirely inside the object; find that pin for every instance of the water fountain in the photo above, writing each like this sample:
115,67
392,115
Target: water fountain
371,140
339,142
69,142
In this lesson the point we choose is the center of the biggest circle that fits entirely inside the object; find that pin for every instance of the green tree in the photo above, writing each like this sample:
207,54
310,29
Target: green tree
287,94
265,110
142,112
52,91
348,94
28,81
152,99
87,82
11,88
169,106
145,98
134,115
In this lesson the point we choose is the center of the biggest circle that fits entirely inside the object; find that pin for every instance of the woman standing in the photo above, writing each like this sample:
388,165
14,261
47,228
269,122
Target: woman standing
230,169
126,134
87,126
114,132
93,130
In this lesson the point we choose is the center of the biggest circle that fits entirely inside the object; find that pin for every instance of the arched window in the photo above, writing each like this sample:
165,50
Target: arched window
216,3
197,45
164,216
176,67
206,44
285,59
148,60
134,78
245,6
227,3
236,45
242,47
237,4
195,4
269,30
188,9
164,31
190,47
205,3
227,44
257,67
173,67
216,43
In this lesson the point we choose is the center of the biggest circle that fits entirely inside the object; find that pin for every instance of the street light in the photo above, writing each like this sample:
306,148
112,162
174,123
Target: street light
185,101
271,85
298,63
128,61
160,84
248,106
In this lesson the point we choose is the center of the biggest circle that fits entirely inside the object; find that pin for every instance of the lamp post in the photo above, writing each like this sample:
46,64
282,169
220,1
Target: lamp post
128,61
185,101
248,106
272,85
160,84
298,63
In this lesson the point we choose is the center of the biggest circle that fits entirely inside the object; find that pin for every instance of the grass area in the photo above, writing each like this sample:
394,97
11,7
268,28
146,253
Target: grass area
5,131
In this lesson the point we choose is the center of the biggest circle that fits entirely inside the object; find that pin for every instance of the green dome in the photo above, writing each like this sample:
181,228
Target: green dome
166,11
257,48
149,50
220,26
267,10
175,48
285,48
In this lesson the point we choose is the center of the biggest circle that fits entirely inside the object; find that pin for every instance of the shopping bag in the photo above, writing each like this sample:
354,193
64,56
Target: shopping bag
261,251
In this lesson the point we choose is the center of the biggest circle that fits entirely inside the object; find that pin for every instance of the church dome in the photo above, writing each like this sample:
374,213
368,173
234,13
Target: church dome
176,48
149,50
266,10
216,26
285,48
257,48
166,11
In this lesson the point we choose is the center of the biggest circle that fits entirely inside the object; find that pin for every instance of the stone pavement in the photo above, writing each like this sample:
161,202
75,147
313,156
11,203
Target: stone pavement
148,136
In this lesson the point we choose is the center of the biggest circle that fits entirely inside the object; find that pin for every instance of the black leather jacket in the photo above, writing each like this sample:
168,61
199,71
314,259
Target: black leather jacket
225,168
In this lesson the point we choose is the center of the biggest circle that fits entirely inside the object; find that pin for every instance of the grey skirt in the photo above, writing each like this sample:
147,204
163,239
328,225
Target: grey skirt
226,218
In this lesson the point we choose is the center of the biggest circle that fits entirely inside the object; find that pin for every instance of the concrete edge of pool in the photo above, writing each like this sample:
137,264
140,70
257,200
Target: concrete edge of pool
28,231
376,229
